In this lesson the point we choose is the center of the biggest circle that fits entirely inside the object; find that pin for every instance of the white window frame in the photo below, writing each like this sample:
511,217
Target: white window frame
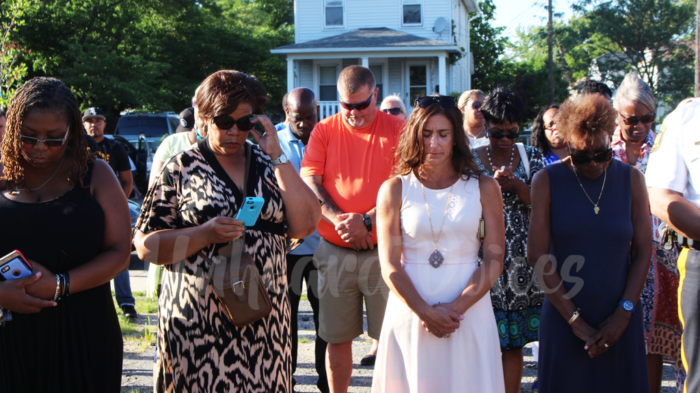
422,14
384,62
325,25
337,63
409,64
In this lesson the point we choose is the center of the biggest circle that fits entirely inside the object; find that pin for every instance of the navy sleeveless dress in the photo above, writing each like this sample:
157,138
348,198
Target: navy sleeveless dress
75,347
592,255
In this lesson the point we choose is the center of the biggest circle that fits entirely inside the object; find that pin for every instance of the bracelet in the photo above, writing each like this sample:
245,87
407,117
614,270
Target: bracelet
66,285
58,287
575,316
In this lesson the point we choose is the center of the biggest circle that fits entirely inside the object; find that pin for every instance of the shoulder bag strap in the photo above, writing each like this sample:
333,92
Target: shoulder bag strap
524,158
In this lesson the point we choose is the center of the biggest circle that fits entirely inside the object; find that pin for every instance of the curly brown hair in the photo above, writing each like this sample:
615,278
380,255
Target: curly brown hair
221,93
43,93
410,152
584,117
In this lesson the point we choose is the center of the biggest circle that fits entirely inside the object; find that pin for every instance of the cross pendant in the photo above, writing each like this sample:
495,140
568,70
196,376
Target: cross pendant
596,209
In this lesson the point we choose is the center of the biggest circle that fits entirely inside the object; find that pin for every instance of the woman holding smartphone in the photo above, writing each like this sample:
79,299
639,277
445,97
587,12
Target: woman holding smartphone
188,217
68,217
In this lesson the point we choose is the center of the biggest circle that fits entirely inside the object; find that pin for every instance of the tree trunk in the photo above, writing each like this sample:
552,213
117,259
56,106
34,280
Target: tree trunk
551,60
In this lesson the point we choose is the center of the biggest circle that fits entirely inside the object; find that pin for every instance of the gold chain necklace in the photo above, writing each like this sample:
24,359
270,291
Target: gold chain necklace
436,259
596,209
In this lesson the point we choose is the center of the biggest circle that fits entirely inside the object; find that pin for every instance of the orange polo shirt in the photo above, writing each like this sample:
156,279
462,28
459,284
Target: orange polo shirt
353,163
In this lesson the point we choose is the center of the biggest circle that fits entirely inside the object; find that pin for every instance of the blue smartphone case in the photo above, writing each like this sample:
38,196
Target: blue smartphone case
13,266
250,211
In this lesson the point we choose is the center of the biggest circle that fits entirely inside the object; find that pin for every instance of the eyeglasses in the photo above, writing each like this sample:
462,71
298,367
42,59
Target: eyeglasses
226,122
360,107
444,101
634,120
500,135
30,140
585,159
393,111
476,105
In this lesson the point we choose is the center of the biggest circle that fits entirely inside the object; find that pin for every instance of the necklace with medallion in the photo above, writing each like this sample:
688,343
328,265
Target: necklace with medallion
596,209
436,258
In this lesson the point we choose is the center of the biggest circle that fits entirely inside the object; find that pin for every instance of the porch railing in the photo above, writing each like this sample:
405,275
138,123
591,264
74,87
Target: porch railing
327,109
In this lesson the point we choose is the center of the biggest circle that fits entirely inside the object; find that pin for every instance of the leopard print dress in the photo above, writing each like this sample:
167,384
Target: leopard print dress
199,349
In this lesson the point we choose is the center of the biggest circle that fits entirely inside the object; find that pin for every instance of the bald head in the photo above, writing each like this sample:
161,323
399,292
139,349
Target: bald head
301,113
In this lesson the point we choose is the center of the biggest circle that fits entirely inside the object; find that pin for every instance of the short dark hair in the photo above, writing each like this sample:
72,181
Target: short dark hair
284,101
585,116
592,87
503,104
221,93
352,78
539,137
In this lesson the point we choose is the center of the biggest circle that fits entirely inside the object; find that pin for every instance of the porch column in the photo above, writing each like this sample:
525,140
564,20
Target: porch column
365,62
442,75
290,75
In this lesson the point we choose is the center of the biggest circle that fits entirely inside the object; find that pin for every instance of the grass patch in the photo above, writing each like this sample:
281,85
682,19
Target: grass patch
304,297
304,341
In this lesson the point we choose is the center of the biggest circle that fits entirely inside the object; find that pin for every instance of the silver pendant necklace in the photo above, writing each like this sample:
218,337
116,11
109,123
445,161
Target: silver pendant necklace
17,191
596,209
436,258
488,155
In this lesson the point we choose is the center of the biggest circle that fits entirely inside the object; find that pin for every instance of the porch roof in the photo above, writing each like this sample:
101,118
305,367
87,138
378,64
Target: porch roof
367,40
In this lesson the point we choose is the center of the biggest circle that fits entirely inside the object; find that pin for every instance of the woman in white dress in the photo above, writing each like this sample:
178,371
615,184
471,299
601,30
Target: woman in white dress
439,332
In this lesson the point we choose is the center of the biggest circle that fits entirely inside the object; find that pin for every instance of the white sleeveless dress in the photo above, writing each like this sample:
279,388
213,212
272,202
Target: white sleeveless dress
409,358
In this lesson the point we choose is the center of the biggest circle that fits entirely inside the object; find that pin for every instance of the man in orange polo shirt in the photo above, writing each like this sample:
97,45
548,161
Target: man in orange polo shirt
348,157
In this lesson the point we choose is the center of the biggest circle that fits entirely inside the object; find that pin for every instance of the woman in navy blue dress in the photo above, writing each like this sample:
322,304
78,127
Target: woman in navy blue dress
589,243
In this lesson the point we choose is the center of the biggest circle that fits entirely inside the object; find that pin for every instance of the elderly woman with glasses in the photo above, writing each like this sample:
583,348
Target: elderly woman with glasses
632,143
516,296
188,218
394,106
589,242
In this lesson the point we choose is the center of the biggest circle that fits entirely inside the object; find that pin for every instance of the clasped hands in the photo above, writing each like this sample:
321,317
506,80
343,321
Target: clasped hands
353,231
598,341
441,319
505,178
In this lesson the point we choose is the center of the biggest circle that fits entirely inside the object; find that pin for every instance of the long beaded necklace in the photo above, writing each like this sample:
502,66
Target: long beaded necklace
436,258
596,209
488,154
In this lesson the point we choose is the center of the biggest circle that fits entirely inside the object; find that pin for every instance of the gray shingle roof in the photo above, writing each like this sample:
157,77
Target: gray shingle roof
368,38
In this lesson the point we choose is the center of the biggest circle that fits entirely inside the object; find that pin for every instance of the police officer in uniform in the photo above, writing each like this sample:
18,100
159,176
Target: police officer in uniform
673,178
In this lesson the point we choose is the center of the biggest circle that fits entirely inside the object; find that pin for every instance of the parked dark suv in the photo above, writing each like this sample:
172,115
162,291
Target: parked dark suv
154,126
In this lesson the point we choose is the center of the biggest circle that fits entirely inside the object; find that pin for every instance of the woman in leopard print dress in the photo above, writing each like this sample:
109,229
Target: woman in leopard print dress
190,208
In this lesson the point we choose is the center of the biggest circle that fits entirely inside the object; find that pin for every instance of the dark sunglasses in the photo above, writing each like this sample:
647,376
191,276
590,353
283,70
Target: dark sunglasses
633,120
30,140
360,107
585,159
476,105
226,122
444,101
500,135
393,111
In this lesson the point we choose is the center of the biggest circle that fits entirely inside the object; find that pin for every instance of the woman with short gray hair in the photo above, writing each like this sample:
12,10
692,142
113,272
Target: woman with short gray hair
394,106
632,143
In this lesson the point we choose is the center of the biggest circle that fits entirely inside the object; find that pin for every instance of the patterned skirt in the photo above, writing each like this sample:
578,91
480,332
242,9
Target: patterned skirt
517,328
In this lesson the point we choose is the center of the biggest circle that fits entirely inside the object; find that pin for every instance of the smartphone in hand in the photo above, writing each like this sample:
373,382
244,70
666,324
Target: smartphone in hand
250,211
14,265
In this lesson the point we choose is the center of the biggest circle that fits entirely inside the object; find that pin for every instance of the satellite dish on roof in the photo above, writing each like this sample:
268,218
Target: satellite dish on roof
440,25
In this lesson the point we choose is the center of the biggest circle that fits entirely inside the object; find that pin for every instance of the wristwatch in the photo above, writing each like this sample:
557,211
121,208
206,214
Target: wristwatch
368,222
282,159
627,306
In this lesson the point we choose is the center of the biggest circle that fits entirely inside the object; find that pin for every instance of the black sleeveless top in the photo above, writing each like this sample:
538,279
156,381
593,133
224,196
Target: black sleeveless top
77,345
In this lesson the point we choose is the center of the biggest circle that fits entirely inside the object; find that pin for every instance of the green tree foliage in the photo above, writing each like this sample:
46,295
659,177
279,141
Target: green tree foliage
487,46
12,16
151,55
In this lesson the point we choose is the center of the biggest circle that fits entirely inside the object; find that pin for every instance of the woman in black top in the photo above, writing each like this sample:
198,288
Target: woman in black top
69,218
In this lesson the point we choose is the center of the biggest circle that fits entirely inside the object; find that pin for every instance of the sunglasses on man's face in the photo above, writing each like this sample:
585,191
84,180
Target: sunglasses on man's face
444,101
360,107
585,159
30,140
393,111
634,120
226,122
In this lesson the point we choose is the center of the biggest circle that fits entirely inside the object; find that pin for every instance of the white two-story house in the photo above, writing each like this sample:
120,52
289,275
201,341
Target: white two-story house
413,47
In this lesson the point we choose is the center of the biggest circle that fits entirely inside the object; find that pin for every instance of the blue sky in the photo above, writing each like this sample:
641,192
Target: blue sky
514,13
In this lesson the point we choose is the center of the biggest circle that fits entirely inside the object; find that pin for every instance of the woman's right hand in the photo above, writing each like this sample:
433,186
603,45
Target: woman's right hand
440,321
14,297
583,330
223,229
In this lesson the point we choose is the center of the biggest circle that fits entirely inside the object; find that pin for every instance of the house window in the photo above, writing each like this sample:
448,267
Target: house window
378,76
328,86
334,13
412,12
417,82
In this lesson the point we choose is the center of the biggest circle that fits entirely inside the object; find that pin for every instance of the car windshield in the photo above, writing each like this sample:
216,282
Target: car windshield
148,125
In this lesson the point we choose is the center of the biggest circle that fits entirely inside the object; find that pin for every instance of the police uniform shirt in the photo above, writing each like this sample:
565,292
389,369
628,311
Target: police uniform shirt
674,163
